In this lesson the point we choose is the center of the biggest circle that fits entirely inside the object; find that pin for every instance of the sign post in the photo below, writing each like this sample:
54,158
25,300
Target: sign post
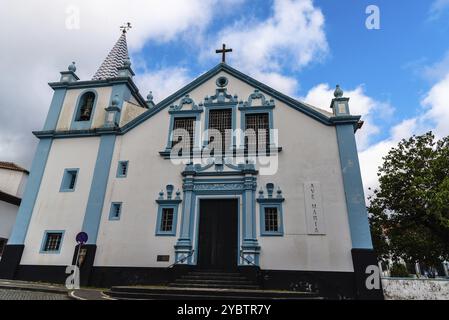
81,238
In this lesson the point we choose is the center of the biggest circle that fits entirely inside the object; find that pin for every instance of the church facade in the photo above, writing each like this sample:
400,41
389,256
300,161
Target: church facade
226,173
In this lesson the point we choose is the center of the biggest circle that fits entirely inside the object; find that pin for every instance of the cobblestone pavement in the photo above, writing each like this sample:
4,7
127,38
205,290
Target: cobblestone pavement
12,294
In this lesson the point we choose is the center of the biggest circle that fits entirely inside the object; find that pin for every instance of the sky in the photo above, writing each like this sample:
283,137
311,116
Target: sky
396,74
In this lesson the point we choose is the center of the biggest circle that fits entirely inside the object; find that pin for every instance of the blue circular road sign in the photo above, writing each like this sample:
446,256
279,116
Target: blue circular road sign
81,237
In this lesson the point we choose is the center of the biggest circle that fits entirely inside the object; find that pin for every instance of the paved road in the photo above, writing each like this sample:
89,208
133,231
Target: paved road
12,294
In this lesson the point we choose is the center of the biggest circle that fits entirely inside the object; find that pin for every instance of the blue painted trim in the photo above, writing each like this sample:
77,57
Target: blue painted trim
98,187
83,125
352,182
65,181
123,93
278,206
197,130
297,105
112,211
102,83
256,110
31,191
218,188
169,204
55,109
119,169
44,240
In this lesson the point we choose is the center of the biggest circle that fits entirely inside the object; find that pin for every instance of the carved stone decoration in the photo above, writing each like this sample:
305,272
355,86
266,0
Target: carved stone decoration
186,100
221,96
257,95
217,186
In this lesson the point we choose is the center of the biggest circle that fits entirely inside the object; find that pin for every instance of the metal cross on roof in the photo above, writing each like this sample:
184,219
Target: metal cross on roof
223,53
126,27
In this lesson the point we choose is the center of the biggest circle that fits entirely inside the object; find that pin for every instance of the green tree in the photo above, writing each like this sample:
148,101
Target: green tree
411,206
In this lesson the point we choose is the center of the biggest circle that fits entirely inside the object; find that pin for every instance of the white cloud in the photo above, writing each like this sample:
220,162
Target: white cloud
371,158
434,117
359,104
163,82
437,8
437,103
292,36
37,45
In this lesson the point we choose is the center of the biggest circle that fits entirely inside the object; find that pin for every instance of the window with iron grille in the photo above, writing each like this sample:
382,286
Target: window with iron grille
116,211
258,122
2,245
188,125
167,219
221,120
52,241
271,220
122,169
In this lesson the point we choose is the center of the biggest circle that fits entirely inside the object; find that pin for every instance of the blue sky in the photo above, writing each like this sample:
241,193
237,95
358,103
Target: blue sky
397,77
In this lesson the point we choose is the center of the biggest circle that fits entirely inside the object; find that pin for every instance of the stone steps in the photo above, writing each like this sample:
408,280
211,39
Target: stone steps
172,293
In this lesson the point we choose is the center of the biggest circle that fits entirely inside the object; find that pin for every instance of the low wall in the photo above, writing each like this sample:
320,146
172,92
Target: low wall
415,289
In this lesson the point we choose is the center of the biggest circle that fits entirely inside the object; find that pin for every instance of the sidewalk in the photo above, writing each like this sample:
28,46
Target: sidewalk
56,289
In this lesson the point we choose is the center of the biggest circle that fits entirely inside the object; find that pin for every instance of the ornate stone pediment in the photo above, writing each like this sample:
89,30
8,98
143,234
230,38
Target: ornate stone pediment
186,101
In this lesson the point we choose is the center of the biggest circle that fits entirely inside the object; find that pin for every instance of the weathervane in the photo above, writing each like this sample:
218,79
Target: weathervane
223,53
126,27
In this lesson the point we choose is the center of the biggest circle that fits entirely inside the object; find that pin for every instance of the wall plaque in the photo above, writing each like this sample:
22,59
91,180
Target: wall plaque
314,210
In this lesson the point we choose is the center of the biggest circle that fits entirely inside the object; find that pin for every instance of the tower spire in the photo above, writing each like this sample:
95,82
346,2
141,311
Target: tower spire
116,59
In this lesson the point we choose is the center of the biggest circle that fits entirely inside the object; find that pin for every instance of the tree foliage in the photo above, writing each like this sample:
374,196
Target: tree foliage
409,212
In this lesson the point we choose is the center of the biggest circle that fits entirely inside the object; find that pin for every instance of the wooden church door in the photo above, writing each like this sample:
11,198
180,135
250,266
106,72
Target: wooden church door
218,235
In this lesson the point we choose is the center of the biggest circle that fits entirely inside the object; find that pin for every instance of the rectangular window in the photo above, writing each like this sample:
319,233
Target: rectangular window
116,211
186,124
52,241
167,219
221,120
69,180
271,220
122,169
2,245
259,122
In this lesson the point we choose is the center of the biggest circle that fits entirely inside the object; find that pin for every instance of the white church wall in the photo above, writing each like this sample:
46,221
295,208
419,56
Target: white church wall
129,112
70,103
8,214
302,159
131,241
55,210
11,182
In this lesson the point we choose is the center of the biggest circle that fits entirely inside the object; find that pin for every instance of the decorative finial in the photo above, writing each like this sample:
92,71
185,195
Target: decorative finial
338,93
126,27
72,67
115,101
150,97
127,63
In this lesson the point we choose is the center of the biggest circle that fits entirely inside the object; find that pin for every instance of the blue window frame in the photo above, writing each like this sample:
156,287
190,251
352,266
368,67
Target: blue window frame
69,179
265,108
52,241
271,219
122,169
167,217
116,211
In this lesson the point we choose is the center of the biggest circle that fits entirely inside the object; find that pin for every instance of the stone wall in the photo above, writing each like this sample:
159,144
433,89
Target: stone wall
415,289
